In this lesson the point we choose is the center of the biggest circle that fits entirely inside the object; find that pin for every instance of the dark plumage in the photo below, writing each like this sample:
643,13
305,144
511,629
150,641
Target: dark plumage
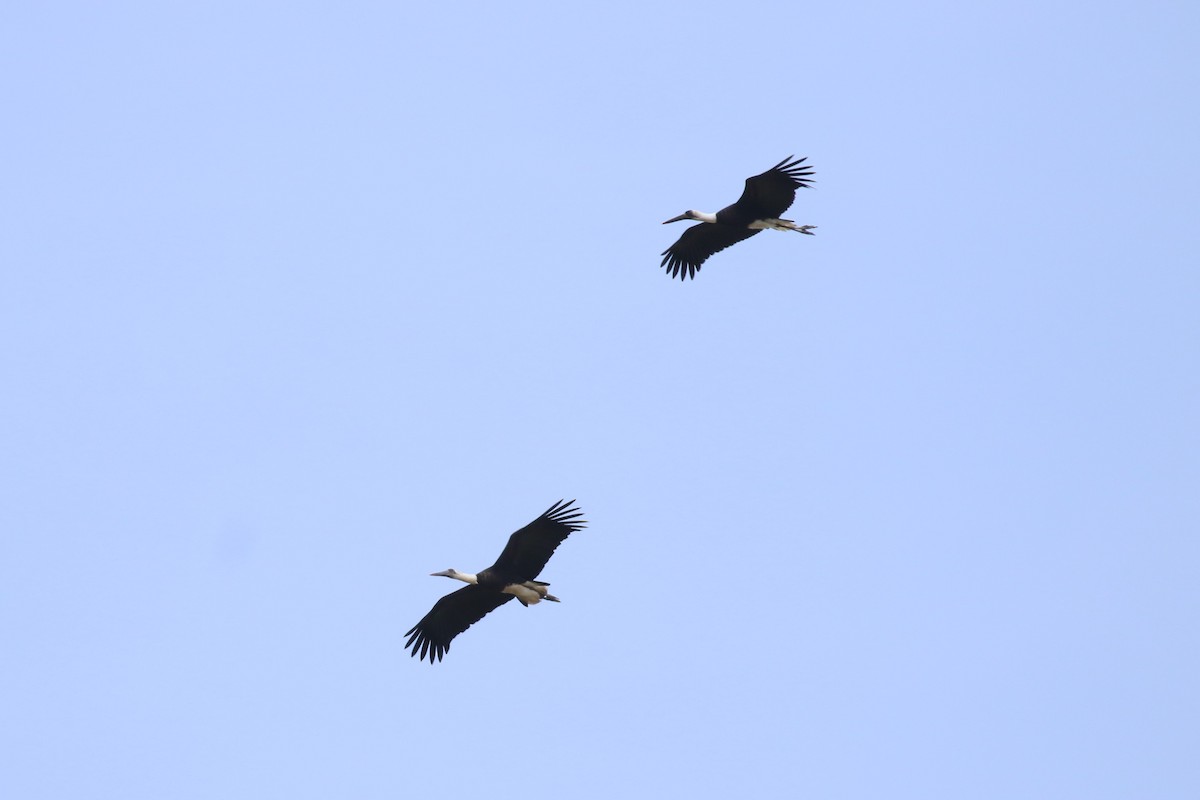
765,197
513,574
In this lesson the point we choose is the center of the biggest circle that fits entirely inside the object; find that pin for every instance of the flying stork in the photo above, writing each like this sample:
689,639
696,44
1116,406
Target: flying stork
765,197
511,576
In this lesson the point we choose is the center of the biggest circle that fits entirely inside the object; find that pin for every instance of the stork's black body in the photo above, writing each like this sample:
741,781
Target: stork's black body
765,197
511,576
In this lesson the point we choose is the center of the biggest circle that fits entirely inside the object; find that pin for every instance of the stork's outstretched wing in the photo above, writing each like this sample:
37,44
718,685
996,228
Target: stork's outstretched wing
683,259
449,617
530,548
770,194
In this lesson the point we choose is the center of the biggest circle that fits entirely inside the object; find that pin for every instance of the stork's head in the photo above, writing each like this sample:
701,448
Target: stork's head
689,214
446,573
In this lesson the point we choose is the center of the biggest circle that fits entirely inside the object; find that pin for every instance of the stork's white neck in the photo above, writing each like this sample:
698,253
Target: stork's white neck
465,577
704,216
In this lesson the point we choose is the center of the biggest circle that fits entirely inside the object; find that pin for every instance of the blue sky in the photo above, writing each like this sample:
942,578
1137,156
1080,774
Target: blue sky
303,302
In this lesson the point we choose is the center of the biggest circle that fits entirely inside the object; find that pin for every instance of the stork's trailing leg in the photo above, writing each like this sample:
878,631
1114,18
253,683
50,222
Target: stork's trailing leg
540,588
782,225
530,592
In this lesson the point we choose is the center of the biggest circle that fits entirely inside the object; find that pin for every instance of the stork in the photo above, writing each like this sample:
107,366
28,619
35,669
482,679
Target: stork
511,576
765,197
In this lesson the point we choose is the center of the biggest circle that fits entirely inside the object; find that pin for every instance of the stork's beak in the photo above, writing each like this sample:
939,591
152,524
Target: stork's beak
443,574
676,219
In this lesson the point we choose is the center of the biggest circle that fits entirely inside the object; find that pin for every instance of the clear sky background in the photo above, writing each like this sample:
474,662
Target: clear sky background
302,302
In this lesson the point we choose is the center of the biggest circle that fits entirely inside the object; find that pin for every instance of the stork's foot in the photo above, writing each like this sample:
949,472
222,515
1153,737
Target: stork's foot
805,229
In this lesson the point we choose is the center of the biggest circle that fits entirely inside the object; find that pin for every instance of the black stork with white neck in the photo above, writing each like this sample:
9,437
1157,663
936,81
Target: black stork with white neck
511,576
765,197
